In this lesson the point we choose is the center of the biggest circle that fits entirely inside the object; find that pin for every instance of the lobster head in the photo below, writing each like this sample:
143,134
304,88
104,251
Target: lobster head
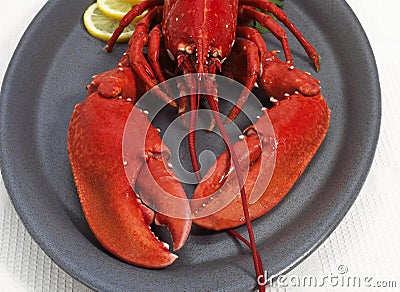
205,44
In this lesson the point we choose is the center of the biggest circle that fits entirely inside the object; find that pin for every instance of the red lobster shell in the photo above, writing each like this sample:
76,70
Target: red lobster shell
199,37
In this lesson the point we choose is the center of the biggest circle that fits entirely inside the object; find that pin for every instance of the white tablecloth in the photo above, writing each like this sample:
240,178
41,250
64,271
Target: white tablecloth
364,247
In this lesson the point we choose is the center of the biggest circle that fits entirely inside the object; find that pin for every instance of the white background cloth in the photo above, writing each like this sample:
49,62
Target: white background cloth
366,245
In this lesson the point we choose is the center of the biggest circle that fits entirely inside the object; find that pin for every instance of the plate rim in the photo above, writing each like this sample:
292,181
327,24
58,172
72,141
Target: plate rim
12,188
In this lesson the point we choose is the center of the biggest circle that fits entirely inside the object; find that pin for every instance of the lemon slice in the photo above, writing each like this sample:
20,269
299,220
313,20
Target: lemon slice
133,1
115,8
102,27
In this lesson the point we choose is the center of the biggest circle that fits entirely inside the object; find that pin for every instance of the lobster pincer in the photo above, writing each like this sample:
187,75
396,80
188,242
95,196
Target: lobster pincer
300,119
116,215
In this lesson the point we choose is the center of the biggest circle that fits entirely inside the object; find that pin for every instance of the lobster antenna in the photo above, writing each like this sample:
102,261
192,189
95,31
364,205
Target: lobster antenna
246,242
256,257
192,149
194,99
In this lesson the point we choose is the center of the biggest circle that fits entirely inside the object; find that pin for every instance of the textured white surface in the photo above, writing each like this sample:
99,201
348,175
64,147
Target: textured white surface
367,240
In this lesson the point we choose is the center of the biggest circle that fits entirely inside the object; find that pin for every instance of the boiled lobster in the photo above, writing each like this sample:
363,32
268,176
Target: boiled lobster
184,37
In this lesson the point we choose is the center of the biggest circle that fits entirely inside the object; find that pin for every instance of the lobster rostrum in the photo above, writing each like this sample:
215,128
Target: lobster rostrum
185,37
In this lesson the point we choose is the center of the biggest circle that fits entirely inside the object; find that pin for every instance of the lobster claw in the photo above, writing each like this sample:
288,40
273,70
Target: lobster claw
278,80
120,81
147,167
115,214
300,124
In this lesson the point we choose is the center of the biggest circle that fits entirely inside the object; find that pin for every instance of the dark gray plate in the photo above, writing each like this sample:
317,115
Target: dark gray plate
47,77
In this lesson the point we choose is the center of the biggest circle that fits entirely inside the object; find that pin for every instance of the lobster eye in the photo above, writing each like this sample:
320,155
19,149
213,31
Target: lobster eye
214,53
189,50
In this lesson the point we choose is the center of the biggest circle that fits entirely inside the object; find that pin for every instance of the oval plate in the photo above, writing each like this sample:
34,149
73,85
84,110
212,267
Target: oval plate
47,77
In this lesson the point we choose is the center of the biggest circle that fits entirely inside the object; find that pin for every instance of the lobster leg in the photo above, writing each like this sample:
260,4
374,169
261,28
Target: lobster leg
282,17
276,80
135,11
135,48
155,36
254,36
136,44
268,22
135,52
253,69
154,44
